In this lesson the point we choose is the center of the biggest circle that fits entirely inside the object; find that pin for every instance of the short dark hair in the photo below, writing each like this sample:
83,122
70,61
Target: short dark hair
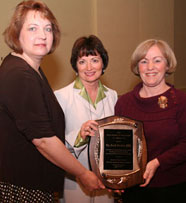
85,46
12,32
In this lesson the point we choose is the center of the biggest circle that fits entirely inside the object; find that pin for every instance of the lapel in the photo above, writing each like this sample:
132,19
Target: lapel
84,105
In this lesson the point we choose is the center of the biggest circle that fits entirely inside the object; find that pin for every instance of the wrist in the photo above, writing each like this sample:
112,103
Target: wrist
156,162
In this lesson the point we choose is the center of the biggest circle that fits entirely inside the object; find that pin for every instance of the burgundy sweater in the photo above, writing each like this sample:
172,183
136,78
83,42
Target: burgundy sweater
165,131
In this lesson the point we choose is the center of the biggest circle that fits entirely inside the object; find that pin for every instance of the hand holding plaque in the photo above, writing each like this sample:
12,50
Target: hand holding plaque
117,152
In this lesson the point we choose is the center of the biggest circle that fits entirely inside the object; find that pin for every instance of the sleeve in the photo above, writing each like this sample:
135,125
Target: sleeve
80,141
71,135
118,108
115,97
24,99
177,154
70,139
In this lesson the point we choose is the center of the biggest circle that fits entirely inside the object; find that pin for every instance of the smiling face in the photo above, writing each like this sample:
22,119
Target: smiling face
152,68
89,68
36,36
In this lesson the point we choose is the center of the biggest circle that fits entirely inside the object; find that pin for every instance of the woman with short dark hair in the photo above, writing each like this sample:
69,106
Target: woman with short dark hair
85,100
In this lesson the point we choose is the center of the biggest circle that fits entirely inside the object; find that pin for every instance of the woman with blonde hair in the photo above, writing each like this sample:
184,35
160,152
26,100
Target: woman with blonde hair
162,108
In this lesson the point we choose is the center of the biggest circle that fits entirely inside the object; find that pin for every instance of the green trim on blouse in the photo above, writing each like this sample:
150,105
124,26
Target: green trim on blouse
101,95
101,92
80,141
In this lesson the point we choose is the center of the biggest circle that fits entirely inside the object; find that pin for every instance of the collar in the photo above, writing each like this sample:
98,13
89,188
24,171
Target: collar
151,104
100,96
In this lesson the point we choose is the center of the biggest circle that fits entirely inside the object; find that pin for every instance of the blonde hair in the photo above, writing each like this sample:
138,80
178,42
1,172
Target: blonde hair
142,49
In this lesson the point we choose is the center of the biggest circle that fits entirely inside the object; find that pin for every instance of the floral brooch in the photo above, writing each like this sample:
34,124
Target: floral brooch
162,101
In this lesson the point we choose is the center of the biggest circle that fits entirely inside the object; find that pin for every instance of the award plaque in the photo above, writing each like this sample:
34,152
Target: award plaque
118,153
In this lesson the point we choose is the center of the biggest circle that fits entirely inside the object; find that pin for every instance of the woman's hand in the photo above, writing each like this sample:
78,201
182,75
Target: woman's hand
150,171
55,151
88,128
90,181
119,192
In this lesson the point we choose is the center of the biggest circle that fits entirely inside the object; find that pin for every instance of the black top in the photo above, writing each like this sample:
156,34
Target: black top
28,110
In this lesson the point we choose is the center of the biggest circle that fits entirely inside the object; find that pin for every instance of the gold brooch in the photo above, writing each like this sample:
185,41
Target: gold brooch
162,101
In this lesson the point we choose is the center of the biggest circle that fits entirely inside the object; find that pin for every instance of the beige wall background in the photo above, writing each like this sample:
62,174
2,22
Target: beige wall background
121,25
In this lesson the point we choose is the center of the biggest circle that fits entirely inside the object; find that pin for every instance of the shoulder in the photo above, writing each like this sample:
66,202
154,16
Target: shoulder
13,66
65,91
125,97
180,93
12,61
178,96
125,102
16,73
111,92
65,94
111,95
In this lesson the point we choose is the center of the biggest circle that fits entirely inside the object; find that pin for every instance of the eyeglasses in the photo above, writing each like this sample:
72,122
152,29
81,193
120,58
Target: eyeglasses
156,60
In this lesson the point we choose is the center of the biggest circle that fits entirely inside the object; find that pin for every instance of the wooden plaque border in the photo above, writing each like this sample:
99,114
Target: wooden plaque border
118,179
